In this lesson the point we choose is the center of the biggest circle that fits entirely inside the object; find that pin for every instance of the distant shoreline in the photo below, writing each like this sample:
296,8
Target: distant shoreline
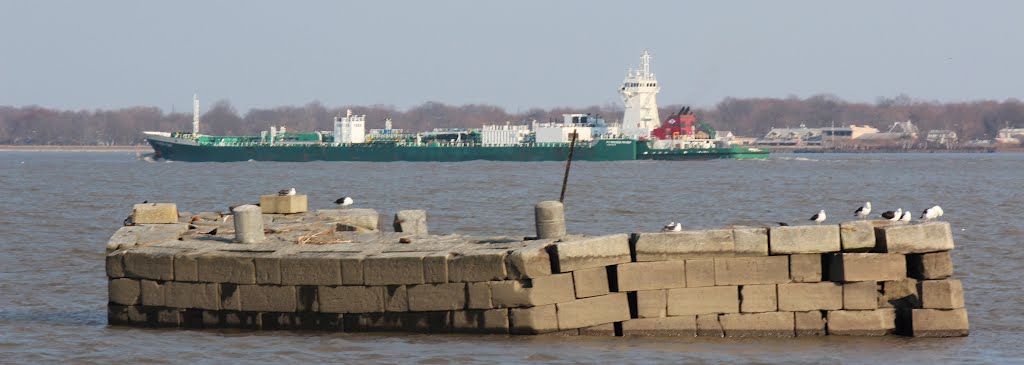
19,148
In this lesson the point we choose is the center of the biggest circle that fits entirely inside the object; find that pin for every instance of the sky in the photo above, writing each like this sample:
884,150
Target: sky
514,54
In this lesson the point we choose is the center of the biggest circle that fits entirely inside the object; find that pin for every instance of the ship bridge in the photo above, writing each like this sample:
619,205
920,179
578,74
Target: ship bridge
639,92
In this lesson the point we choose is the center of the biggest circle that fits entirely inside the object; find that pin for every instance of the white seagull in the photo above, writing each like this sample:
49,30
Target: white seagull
285,192
672,227
820,217
893,216
931,213
344,201
906,216
863,212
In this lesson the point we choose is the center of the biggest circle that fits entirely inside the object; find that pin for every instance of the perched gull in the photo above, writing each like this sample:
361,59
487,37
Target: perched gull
820,217
906,216
893,216
285,192
782,224
672,227
863,212
931,213
344,201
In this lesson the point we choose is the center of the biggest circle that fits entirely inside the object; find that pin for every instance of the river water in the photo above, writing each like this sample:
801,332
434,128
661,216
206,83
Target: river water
60,209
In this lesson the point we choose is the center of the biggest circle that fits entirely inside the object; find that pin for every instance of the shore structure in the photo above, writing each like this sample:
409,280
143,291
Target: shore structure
337,270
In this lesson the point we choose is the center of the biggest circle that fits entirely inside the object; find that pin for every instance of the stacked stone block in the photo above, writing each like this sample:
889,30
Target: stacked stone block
857,278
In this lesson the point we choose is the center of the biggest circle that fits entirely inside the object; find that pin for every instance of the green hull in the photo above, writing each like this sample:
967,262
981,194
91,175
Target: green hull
603,150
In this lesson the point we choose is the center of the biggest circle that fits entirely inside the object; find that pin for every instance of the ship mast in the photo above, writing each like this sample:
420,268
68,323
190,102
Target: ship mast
639,92
195,114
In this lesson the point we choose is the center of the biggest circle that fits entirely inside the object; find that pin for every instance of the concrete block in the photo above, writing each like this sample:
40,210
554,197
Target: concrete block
879,322
533,320
942,294
192,295
750,241
593,311
925,266
186,269
810,323
652,303
115,264
352,269
700,272
268,269
152,293
227,267
861,295
125,237
751,270
153,263
283,204
481,321
155,213
708,325
478,296
847,267
758,324
165,317
422,322
940,323
268,298
802,297
352,219
914,238
230,298
411,221
437,297
685,245
715,299
591,282
477,265
635,276
530,261
591,252
679,326
551,289
758,298
123,291
435,267
805,268
117,314
803,239
857,236
311,268
394,268
396,298
351,299
607,330
901,294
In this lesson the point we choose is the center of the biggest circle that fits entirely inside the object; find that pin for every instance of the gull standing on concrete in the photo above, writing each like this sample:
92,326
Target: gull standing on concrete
893,216
931,213
672,227
863,212
906,216
344,201
820,217
286,192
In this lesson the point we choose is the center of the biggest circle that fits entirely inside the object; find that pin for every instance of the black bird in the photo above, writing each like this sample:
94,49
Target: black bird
145,202
892,215
344,201
212,232
782,224
128,221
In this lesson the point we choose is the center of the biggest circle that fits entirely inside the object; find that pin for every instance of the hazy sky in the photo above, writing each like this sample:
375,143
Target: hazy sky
515,54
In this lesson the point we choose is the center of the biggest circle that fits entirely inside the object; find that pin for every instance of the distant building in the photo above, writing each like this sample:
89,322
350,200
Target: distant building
941,136
1010,135
898,131
804,136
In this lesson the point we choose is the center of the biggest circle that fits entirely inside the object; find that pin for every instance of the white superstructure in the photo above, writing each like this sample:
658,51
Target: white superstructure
503,135
350,128
561,133
639,92
195,114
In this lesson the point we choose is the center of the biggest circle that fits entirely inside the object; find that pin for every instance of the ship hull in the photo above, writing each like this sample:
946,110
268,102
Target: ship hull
738,153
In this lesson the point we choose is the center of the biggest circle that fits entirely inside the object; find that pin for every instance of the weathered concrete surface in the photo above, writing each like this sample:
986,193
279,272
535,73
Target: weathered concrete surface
751,270
915,238
351,299
311,268
533,292
899,294
681,326
267,298
758,298
942,294
123,291
750,241
652,303
145,235
715,299
846,267
708,325
590,282
940,323
803,239
533,320
156,263
860,295
651,275
481,321
810,323
758,324
857,236
481,264
412,222
530,261
236,267
593,311
351,219
283,204
248,224
802,297
934,265
437,297
700,272
878,322
550,219
591,252
394,268
685,245
192,295
154,213
805,268
478,296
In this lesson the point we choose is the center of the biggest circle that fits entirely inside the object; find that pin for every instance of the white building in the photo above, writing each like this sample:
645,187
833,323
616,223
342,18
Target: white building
350,128
639,92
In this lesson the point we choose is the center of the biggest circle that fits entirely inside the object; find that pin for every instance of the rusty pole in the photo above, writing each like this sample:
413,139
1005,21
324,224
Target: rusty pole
568,163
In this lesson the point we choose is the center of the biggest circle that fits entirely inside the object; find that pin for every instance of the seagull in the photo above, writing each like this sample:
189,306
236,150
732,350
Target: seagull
893,216
818,218
672,227
285,192
344,201
782,224
941,213
213,232
128,221
931,213
863,212
906,216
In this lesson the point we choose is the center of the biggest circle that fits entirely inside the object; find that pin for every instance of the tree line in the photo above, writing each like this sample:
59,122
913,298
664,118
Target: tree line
34,125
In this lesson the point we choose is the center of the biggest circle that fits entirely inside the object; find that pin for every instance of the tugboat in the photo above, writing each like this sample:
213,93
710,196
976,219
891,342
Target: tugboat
678,138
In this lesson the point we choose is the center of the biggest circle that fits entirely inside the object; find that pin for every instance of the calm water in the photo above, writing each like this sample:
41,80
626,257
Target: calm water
60,209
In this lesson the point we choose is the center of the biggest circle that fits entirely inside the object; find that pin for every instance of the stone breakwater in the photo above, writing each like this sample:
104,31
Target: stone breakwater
336,270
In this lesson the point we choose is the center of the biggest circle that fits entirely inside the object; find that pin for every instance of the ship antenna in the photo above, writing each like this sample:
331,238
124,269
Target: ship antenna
195,114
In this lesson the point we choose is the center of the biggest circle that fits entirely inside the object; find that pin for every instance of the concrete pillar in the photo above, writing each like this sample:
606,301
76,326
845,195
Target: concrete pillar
411,221
248,224
550,217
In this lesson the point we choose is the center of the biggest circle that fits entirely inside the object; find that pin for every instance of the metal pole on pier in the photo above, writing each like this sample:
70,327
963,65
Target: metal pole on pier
568,163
